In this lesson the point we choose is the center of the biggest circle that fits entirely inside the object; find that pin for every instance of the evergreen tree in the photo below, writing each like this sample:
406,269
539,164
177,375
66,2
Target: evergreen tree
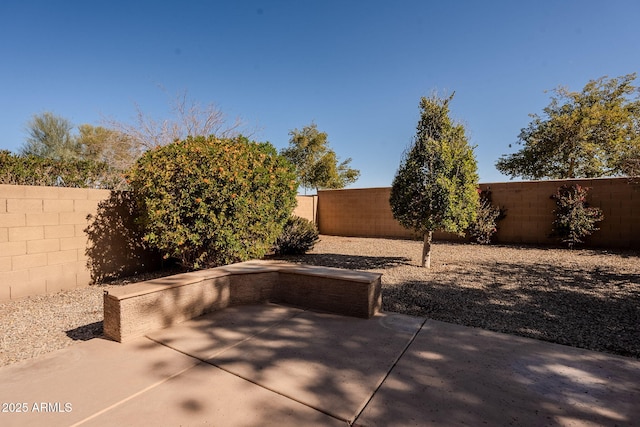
435,187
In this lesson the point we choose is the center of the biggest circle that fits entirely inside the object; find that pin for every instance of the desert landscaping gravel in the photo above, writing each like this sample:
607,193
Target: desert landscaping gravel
583,297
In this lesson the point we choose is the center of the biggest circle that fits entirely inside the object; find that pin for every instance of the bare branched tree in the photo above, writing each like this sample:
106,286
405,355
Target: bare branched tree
188,118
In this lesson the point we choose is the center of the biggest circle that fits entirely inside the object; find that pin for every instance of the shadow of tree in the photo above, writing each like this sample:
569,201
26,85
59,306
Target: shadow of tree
333,364
469,376
351,262
115,248
325,361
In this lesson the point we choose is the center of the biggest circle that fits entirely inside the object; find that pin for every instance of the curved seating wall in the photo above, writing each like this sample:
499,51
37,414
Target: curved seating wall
136,309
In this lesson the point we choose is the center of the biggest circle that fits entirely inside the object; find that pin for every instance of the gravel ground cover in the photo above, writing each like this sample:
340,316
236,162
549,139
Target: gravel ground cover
583,298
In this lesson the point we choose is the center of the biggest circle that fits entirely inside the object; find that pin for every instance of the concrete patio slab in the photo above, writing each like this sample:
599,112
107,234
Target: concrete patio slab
66,386
328,362
206,395
275,365
455,375
208,335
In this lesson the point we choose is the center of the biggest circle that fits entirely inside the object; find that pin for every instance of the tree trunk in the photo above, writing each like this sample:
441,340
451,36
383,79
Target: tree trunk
426,250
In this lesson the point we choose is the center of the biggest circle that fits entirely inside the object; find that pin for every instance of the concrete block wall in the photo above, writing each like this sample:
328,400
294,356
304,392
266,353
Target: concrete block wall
358,212
42,238
366,212
307,207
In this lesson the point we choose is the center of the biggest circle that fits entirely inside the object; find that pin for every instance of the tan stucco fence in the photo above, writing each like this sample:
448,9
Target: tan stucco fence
529,212
43,242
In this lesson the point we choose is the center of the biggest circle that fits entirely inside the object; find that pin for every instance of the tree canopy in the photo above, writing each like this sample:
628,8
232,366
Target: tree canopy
49,136
107,145
435,187
316,163
586,134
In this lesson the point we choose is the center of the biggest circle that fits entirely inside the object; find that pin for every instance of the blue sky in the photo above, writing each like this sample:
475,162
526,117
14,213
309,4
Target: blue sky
355,68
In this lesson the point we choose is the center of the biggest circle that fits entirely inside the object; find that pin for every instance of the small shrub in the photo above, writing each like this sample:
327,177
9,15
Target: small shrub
574,218
299,236
209,201
485,225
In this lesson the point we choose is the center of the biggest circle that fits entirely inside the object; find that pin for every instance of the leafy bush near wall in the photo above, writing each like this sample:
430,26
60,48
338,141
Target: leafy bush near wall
486,222
209,201
574,218
34,170
298,237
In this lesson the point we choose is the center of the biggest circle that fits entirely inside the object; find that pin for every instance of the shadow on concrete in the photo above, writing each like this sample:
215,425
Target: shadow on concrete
449,375
327,362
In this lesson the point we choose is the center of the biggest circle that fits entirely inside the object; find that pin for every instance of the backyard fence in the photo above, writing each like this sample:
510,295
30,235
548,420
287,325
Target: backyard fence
42,238
44,243
529,212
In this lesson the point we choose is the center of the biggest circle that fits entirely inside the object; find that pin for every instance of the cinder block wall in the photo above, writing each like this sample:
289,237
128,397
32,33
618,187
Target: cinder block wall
358,212
42,238
307,207
366,212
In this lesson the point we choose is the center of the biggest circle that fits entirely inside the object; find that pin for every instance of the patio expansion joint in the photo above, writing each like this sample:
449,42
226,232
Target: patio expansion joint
136,394
210,362
395,362
198,361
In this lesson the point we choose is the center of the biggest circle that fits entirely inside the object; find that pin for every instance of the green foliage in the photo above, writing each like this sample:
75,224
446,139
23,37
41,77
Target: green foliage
50,137
585,134
298,237
574,218
435,186
316,164
486,222
209,201
34,170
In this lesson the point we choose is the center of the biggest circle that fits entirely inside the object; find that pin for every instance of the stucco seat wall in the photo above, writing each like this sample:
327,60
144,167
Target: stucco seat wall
136,309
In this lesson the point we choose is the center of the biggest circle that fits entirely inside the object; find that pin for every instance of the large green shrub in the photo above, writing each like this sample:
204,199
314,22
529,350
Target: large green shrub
574,218
299,236
209,201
